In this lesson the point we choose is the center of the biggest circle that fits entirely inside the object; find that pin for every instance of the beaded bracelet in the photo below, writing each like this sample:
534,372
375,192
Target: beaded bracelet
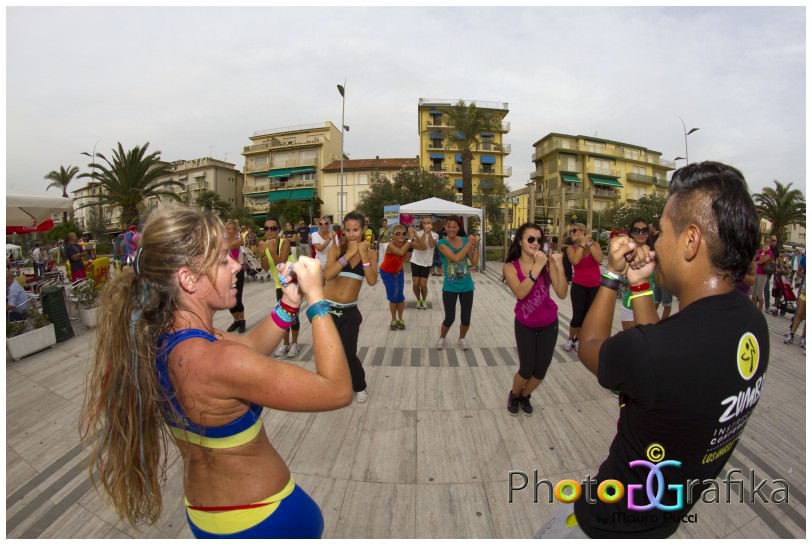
641,294
319,309
343,261
643,286
610,283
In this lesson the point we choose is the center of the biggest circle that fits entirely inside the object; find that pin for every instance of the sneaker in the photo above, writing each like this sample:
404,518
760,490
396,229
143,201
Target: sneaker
462,344
361,397
803,344
393,325
419,304
513,403
441,343
401,324
569,345
524,403
281,351
234,325
789,338
241,327
293,351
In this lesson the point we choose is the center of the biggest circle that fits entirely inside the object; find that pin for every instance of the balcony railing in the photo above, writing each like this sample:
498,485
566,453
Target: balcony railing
606,193
661,183
455,101
294,128
265,187
611,150
641,178
600,171
314,162
282,143
438,168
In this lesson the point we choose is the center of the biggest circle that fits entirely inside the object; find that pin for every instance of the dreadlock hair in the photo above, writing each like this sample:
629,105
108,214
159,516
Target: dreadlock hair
123,412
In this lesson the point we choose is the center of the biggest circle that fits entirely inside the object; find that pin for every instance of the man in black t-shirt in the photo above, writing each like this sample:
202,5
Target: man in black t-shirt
688,383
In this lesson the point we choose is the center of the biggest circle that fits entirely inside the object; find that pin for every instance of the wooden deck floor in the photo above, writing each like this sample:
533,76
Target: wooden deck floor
428,456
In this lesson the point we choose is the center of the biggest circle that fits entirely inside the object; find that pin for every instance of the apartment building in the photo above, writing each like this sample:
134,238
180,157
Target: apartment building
615,172
358,173
438,154
286,163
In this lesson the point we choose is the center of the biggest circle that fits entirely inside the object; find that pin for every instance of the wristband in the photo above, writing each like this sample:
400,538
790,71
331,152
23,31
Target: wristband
610,283
288,308
281,318
612,275
636,288
367,265
531,276
343,261
641,294
318,309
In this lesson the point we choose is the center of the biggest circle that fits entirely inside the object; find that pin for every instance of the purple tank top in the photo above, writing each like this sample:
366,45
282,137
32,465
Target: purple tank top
537,309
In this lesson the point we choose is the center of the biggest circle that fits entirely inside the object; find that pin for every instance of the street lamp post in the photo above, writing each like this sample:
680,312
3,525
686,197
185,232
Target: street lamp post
686,133
341,173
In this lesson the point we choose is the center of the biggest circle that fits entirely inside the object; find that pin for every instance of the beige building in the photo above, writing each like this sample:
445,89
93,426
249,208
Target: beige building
358,173
439,155
286,163
614,173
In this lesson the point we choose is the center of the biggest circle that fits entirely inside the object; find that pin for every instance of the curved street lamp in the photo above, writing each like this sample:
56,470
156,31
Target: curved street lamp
686,133
341,174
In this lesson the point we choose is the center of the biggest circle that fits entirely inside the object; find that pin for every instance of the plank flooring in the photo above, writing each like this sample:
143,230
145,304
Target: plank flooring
430,454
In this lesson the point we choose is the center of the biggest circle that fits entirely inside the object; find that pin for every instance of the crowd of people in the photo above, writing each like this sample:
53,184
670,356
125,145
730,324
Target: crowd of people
161,362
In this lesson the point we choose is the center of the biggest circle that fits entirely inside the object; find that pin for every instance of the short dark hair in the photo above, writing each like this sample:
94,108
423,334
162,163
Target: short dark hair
715,197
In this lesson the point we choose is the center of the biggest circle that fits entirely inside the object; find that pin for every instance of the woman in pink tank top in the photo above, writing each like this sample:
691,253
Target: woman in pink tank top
529,273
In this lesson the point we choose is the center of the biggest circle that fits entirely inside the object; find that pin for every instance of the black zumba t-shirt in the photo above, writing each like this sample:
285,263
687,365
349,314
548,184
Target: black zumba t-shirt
688,385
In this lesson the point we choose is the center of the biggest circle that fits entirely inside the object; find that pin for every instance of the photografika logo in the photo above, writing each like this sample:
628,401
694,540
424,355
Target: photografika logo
655,486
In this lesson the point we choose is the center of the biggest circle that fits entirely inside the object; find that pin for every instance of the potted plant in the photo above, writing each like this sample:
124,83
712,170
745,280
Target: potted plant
28,336
87,297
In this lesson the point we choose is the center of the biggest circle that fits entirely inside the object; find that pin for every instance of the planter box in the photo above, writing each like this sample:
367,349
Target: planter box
33,341
88,316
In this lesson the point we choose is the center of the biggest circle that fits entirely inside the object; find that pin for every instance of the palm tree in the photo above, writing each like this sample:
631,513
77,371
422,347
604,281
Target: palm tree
60,180
129,178
782,206
210,201
466,123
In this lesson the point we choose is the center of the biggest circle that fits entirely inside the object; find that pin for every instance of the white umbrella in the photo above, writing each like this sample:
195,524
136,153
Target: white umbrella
32,210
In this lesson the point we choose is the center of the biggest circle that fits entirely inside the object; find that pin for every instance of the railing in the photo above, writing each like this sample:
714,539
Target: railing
603,171
293,128
662,183
455,101
641,178
272,186
612,150
606,193
440,168
314,162
276,143
257,206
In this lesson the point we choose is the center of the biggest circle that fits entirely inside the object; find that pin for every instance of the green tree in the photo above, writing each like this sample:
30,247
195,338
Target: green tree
129,178
648,207
60,179
782,206
408,186
492,200
466,123
244,217
211,202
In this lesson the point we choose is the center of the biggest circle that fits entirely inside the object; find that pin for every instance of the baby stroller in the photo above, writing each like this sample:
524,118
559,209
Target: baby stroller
253,267
783,296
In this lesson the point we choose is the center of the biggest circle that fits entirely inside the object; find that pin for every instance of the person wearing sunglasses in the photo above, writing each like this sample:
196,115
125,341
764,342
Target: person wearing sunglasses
529,274
276,249
322,240
456,252
585,256
423,245
349,263
639,233
391,271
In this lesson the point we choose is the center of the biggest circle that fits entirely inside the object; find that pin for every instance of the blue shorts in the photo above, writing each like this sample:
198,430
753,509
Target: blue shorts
296,517
662,296
394,286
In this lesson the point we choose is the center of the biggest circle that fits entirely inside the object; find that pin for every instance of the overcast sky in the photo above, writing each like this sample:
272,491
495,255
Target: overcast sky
199,81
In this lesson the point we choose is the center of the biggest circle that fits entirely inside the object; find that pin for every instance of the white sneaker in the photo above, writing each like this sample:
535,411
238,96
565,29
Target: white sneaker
293,350
281,351
361,397
462,344
803,344
569,345
441,343
789,338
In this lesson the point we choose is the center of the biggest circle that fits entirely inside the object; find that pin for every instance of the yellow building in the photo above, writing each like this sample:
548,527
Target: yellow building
616,173
285,164
358,173
439,155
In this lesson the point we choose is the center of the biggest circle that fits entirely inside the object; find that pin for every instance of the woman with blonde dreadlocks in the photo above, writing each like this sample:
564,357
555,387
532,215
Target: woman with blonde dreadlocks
162,372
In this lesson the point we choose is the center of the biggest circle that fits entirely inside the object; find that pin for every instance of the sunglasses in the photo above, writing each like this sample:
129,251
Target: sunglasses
399,233
639,231
272,228
532,239
573,231
323,223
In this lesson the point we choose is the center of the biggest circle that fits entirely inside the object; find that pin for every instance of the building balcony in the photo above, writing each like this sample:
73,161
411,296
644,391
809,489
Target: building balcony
257,207
482,169
290,163
606,150
438,168
614,173
276,143
492,146
640,178
605,194
661,183
271,185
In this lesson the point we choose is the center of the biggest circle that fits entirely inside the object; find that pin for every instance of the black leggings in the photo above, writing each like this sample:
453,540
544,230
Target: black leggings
450,306
295,325
536,346
581,298
348,322
240,281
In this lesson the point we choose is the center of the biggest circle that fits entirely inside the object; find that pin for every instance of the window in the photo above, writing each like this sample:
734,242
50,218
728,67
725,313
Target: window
639,170
602,166
436,143
630,153
363,179
487,142
309,176
436,119
595,147
281,160
342,201
568,163
437,165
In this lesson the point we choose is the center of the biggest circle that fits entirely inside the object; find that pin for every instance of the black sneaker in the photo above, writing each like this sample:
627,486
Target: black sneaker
524,403
241,327
234,325
513,403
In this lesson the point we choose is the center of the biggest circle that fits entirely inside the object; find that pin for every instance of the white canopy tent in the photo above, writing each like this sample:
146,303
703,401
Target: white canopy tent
442,207
30,210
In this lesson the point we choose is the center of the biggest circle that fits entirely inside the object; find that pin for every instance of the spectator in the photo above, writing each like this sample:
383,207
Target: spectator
303,232
75,255
16,298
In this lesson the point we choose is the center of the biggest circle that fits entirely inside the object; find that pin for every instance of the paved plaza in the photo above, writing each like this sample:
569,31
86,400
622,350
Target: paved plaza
428,456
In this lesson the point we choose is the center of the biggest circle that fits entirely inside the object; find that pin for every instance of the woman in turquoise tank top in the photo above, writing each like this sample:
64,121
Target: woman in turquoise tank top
162,372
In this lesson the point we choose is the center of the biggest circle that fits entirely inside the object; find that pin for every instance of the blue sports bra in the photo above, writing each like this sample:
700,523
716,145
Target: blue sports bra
238,432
